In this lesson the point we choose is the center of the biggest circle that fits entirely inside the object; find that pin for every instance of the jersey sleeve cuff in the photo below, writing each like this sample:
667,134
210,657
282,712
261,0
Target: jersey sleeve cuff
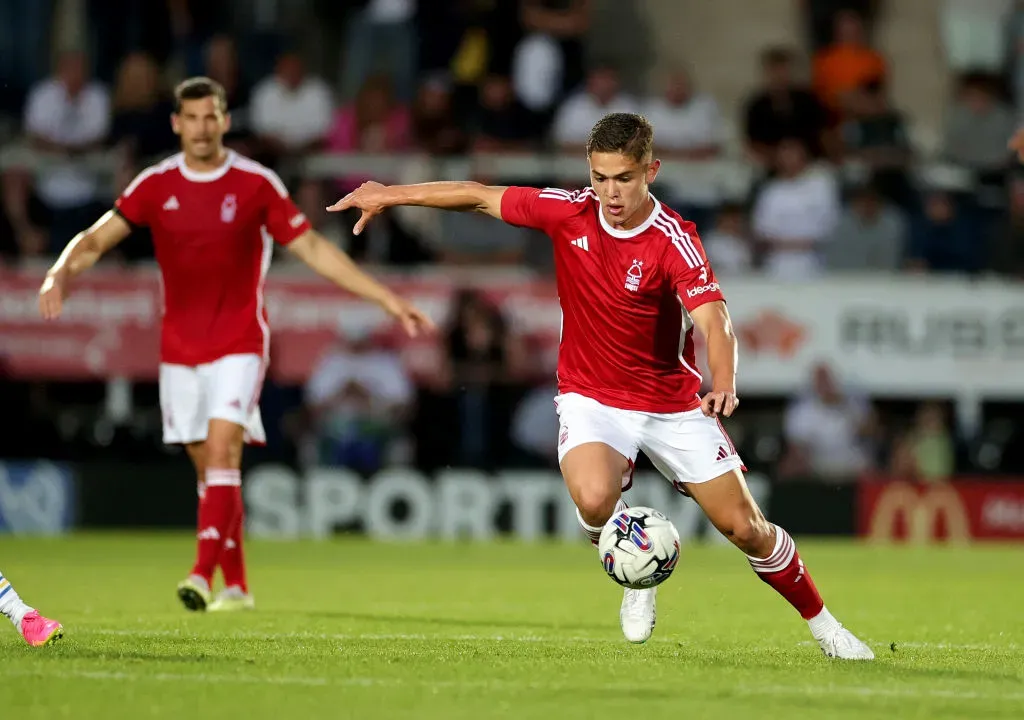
131,223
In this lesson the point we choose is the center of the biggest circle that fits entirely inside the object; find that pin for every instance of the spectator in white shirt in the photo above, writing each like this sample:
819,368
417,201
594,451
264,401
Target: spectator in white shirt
687,124
358,399
291,111
581,111
794,213
829,433
534,429
728,243
66,116
974,34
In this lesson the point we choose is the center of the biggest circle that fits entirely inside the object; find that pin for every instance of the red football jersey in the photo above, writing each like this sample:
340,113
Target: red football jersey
627,335
213,234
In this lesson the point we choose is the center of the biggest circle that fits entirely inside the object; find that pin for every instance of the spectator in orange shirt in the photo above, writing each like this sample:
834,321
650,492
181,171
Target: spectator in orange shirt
847,64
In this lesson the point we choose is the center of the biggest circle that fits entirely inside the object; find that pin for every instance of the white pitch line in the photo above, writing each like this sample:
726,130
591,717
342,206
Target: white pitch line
414,637
825,690
983,647
471,637
495,684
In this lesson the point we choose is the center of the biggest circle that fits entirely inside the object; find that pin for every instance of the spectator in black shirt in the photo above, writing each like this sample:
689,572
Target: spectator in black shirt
222,65
820,16
141,124
876,136
503,124
782,109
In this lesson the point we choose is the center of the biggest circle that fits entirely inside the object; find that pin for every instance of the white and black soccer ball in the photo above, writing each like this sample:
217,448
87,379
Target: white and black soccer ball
639,548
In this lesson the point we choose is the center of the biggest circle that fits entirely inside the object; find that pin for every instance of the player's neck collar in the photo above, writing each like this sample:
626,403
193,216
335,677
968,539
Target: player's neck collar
626,234
207,175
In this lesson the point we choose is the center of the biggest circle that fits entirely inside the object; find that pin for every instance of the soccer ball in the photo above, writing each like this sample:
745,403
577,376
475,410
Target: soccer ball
639,548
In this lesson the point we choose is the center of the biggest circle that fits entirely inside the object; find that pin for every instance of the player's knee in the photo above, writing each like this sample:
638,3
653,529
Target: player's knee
223,446
222,454
596,505
750,532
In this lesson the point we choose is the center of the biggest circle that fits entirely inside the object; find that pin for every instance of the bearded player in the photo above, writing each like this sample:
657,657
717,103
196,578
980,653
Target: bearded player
633,282
214,216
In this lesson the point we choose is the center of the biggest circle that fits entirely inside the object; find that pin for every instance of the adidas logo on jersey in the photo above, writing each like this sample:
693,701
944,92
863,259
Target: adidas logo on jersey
581,242
171,204
722,453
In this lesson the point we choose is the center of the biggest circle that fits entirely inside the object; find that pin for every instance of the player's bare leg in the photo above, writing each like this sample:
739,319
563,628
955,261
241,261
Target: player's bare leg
772,555
220,508
593,474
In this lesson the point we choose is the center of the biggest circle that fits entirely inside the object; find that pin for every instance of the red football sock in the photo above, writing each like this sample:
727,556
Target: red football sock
218,510
785,572
232,559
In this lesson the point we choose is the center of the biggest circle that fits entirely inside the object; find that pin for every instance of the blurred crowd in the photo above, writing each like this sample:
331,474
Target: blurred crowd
837,181
836,184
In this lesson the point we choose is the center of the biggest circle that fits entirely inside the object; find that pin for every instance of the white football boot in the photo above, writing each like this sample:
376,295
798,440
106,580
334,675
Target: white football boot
194,593
232,599
638,614
836,641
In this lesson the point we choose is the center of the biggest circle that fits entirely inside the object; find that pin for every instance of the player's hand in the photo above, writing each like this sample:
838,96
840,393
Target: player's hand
370,197
1017,143
719,402
52,294
414,321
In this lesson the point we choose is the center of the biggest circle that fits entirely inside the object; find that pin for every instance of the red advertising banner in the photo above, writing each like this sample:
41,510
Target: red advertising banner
111,324
960,511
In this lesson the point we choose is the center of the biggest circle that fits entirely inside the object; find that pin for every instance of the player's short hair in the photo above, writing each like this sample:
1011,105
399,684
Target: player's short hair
627,133
197,88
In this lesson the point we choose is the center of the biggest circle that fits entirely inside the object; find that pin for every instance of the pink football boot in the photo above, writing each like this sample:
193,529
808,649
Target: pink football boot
39,631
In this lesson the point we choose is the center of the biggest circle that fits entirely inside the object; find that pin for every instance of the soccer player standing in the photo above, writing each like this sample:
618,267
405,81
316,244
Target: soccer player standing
633,281
214,216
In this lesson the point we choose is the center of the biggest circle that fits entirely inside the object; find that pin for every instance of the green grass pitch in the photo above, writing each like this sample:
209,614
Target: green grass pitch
355,629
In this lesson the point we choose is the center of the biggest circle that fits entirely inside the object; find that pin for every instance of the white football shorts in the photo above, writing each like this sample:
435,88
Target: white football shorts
685,447
226,389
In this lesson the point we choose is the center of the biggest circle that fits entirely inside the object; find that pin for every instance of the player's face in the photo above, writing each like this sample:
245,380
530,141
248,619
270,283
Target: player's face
201,124
622,185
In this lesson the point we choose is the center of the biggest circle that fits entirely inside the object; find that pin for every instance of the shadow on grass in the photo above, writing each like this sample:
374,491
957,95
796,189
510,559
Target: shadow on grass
519,625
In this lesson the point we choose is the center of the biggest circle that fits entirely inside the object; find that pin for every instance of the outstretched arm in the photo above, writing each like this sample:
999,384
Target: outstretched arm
84,250
373,198
334,264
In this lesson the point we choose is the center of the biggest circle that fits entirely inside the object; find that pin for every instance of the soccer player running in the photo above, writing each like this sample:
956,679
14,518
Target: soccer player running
214,216
36,629
633,281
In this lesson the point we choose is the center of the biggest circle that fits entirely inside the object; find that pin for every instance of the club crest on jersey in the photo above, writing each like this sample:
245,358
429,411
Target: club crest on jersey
228,208
634,275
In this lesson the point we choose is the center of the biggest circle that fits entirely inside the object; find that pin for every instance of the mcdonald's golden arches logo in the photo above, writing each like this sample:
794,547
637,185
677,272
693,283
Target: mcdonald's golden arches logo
921,509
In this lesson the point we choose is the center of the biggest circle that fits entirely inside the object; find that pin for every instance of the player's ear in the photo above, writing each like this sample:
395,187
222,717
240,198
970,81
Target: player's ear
175,124
227,122
652,170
